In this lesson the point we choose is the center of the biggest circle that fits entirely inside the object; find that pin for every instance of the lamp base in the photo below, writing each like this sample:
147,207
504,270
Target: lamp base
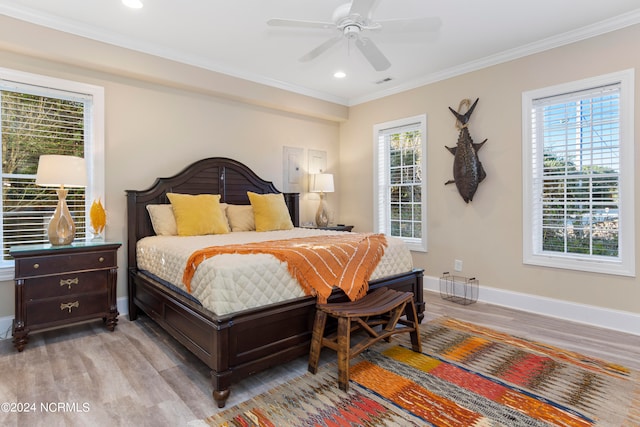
61,229
322,215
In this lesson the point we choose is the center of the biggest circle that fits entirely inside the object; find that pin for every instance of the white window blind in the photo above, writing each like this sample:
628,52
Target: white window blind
32,125
400,185
575,147
577,152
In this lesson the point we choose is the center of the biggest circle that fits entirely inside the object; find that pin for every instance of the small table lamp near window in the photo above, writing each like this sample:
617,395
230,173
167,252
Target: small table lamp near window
322,183
60,171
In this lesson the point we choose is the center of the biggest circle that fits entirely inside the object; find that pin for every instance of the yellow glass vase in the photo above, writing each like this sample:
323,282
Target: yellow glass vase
98,218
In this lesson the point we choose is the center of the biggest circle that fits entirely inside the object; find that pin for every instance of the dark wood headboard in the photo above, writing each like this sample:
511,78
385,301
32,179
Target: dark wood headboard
215,175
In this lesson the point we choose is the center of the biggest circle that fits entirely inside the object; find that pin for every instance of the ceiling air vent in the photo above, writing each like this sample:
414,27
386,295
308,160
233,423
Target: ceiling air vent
386,79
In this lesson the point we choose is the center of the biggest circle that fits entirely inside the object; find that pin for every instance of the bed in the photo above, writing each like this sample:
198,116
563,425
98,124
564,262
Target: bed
240,343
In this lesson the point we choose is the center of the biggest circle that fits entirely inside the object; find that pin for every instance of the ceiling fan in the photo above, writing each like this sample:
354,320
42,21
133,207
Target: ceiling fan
353,19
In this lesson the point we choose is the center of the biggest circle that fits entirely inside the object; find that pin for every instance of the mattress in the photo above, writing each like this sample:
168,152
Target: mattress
230,282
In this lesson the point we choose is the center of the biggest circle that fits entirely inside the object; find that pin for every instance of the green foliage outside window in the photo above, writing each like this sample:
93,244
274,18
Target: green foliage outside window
405,191
580,208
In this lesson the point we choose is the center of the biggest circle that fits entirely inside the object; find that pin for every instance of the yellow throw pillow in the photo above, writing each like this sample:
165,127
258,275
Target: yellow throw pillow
270,212
198,214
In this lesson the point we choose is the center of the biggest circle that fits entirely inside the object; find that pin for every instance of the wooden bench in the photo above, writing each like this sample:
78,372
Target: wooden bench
382,307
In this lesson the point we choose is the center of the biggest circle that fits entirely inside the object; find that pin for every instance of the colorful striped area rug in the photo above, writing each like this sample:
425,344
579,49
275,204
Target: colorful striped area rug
466,376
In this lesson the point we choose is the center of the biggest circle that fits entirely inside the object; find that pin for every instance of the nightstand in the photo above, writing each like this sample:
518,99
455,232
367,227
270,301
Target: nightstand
61,285
339,227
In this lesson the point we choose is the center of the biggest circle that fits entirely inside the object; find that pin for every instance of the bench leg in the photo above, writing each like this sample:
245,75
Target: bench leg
394,316
316,340
344,347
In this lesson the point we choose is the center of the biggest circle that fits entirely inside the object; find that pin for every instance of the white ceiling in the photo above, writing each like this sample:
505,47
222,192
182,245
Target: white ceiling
232,37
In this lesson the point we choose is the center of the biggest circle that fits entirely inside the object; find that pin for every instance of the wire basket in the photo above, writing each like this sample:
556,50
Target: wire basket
461,290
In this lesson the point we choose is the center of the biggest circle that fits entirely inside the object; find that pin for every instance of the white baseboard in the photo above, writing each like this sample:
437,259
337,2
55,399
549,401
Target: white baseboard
591,315
123,306
6,323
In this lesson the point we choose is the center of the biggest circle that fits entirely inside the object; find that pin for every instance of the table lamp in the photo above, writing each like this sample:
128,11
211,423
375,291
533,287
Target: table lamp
322,183
60,171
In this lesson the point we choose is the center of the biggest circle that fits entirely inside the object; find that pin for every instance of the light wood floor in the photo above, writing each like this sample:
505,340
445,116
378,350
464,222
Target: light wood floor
138,376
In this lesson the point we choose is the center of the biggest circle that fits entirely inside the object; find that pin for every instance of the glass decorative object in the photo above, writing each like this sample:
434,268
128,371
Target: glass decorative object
98,219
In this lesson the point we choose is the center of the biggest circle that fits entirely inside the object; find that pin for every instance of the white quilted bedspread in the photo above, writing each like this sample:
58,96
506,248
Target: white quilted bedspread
230,282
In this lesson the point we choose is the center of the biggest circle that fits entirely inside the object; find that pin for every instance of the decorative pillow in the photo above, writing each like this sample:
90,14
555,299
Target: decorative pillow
162,220
241,218
223,208
270,212
198,214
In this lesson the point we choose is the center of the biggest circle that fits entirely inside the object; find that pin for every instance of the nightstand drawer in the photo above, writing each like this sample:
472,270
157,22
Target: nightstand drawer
70,307
65,284
61,263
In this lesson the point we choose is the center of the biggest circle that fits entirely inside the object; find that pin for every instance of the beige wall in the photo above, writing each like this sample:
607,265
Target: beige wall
486,234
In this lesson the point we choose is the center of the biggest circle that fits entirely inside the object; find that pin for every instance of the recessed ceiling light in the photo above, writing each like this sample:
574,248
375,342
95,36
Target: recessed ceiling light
133,4
339,74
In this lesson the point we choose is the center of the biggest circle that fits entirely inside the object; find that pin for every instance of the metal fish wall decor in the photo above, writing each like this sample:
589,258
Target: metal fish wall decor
467,168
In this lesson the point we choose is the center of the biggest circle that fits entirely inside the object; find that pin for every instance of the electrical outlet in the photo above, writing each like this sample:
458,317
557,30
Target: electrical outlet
457,265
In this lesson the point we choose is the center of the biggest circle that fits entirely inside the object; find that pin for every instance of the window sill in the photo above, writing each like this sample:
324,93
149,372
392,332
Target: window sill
618,268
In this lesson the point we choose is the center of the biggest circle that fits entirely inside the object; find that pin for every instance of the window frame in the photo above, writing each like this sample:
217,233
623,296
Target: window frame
624,263
94,150
381,217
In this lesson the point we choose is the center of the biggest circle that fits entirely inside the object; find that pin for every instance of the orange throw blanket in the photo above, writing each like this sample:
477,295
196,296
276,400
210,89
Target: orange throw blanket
318,263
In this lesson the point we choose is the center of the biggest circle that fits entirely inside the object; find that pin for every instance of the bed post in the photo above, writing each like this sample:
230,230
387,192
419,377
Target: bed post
293,203
131,252
419,294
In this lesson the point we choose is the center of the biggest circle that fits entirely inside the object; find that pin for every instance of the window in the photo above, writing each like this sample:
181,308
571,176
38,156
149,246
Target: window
400,171
578,175
42,115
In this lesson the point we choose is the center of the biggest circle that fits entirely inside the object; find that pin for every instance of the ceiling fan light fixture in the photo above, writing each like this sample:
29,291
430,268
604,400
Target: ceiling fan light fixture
133,4
351,31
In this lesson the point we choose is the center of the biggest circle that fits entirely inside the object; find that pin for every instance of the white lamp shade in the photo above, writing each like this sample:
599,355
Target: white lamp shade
55,170
322,183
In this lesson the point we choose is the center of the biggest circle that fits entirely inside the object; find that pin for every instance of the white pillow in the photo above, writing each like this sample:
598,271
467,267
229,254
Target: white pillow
163,220
241,218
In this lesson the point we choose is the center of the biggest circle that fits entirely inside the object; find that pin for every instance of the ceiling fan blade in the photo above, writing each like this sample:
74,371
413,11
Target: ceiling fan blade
410,25
373,54
276,22
364,8
320,49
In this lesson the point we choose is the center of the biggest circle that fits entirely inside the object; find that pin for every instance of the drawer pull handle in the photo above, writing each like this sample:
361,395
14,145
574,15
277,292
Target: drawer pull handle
69,305
69,282
36,266
101,259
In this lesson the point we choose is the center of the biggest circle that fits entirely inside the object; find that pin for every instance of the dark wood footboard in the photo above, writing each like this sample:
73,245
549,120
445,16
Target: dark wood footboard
238,345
